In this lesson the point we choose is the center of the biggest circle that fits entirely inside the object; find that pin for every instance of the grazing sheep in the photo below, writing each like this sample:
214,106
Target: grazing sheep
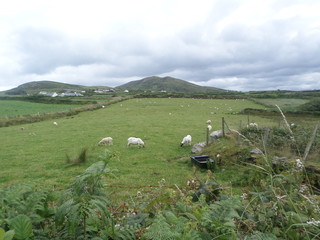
55,123
293,126
135,141
186,140
209,122
105,140
253,124
209,127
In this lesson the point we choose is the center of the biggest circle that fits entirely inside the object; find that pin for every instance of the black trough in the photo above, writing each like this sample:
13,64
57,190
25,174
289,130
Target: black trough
203,161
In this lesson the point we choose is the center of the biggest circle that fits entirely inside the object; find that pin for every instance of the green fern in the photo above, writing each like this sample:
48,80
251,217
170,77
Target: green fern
83,209
22,199
160,230
219,219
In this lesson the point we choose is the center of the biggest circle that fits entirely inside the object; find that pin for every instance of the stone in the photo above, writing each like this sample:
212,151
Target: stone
198,147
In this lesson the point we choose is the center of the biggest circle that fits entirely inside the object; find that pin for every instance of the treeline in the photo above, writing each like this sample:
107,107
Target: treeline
284,94
215,95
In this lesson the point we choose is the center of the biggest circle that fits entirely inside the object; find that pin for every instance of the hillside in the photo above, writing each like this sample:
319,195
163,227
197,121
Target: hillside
50,86
156,84
168,84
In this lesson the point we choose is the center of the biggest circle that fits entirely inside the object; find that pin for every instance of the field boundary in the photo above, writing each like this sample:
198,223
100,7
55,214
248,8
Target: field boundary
23,119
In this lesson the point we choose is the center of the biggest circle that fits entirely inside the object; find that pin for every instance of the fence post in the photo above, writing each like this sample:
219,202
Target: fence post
306,152
207,139
223,134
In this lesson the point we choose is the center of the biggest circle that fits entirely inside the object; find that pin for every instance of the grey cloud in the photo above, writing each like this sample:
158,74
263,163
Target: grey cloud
272,54
42,50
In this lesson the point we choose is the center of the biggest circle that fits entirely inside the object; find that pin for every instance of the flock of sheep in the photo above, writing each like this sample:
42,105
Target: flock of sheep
187,140
138,141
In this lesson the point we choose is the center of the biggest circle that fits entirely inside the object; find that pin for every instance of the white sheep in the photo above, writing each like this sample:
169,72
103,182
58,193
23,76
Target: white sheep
55,123
186,140
253,124
209,127
135,141
106,140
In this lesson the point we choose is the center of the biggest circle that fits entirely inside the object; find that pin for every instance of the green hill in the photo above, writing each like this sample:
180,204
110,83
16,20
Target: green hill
49,86
168,84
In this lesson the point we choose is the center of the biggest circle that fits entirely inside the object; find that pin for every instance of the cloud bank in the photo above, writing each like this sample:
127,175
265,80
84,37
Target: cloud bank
235,45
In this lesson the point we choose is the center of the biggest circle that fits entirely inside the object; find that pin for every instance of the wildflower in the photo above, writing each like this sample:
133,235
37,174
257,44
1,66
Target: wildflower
244,196
303,189
280,197
299,164
314,222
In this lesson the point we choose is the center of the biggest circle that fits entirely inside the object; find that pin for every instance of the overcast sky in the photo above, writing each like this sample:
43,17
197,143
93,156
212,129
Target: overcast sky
231,44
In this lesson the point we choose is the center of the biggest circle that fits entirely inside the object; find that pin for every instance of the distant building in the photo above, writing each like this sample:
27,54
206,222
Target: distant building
48,94
71,94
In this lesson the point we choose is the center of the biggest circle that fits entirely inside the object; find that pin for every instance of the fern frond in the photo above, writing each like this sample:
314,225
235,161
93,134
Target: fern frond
160,230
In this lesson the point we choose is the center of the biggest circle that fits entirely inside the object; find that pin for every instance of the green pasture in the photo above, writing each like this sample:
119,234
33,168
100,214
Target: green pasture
11,108
37,152
284,103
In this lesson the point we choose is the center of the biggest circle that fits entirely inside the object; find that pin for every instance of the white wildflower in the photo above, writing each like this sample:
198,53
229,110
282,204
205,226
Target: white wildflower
314,222
303,189
244,196
280,197
299,164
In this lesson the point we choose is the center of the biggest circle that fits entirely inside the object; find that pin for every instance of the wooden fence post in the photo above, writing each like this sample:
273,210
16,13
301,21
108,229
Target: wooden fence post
306,152
223,133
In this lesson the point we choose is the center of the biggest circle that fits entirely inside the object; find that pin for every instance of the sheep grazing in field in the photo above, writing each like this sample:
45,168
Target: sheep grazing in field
293,126
55,123
135,141
209,127
186,140
106,140
209,122
253,124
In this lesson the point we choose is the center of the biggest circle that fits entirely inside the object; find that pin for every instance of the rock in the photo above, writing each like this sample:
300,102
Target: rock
216,134
256,151
198,147
279,160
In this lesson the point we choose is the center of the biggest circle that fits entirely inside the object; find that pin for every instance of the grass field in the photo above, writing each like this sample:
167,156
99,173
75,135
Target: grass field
38,153
11,108
284,103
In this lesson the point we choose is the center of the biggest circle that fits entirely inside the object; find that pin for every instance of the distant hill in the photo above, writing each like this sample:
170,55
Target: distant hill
156,84
168,84
49,86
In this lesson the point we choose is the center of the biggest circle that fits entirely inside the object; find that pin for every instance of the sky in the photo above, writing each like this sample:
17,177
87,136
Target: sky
241,45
